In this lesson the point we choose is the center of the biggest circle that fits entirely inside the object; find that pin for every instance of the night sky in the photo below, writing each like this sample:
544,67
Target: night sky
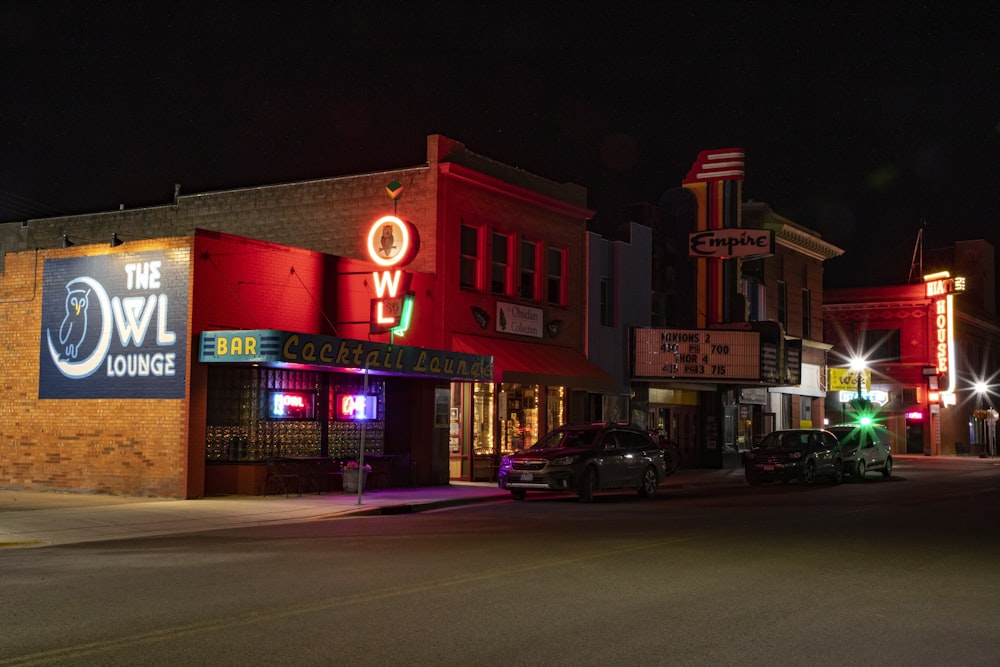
859,120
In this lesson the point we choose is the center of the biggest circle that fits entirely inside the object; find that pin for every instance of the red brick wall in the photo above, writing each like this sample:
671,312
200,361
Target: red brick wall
509,210
117,446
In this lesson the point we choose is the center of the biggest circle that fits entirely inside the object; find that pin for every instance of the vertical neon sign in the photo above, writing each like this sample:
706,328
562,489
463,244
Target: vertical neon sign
391,243
940,288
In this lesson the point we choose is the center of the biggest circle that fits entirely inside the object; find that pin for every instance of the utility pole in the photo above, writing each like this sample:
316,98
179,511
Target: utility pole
917,263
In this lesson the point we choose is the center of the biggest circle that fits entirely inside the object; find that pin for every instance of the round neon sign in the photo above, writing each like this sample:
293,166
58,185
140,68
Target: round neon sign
390,241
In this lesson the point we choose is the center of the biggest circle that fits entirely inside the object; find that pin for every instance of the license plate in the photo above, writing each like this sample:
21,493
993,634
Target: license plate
527,477
768,468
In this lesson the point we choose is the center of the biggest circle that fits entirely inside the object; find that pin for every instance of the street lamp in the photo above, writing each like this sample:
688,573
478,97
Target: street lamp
859,365
861,406
984,419
980,388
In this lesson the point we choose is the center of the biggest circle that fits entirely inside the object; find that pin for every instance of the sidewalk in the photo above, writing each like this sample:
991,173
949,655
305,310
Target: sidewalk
39,518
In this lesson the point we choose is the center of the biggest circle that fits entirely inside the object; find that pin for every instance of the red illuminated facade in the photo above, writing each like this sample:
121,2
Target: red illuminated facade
927,345
486,264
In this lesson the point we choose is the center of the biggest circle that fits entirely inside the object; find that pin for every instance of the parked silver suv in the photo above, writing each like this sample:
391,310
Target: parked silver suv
864,447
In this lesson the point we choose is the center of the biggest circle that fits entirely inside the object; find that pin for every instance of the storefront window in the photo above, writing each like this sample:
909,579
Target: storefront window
482,419
259,413
345,429
554,407
519,412
501,419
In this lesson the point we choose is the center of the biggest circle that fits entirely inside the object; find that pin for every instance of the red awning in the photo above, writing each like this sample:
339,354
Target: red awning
536,363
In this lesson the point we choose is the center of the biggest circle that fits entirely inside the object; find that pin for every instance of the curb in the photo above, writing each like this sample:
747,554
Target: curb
414,508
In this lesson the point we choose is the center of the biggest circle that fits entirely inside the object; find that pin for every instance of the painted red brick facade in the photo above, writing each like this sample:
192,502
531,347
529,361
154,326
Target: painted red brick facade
287,257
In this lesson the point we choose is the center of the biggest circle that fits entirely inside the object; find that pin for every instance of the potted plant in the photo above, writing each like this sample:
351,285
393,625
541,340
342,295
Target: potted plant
354,475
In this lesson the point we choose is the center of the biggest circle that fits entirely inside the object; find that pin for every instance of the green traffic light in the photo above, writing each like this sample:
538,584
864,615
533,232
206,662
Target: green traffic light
865,420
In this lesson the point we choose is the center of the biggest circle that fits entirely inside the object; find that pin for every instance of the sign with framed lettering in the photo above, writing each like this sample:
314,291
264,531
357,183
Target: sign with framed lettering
710,354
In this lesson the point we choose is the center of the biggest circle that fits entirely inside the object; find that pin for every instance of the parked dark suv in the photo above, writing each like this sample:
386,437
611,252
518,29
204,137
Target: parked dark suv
584,459
804,454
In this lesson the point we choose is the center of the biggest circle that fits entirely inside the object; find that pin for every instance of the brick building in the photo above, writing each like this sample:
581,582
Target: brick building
496,277
927,346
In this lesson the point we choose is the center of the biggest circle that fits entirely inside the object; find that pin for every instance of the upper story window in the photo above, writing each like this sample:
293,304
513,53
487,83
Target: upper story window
607,304
500,273
470,263
782,304
528,269
756,301
556,272
881,345
806,314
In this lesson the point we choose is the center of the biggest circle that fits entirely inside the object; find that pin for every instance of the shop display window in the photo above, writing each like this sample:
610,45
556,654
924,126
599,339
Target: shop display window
258,413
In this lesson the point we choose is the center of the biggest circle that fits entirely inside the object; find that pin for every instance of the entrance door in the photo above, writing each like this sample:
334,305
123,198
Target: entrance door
914,436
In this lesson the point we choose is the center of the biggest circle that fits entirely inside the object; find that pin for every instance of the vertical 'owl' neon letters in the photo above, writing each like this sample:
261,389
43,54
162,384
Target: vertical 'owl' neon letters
389,245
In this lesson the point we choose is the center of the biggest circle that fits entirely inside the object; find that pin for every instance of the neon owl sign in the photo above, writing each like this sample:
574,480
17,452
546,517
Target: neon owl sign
391,243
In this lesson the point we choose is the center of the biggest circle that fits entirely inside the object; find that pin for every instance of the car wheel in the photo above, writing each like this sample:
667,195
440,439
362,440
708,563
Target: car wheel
809,474
649,483
887,469
588,484
752,479
860,469
838,471
518,494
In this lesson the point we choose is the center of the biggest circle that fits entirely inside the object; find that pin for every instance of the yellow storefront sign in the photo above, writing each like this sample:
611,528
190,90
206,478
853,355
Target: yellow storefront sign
844,379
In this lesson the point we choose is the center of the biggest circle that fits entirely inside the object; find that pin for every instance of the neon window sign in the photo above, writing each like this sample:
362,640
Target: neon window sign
291,405
355,407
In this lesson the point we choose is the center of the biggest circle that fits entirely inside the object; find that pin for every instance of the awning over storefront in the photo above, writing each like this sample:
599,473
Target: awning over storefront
534,363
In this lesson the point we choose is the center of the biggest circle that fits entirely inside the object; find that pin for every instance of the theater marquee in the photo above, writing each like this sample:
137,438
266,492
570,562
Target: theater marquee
708,354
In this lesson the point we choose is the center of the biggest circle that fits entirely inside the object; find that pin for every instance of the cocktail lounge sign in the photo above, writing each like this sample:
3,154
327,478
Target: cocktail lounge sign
114,326
268,346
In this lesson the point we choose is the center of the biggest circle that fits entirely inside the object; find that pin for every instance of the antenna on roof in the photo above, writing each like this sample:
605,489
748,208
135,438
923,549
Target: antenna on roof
917,263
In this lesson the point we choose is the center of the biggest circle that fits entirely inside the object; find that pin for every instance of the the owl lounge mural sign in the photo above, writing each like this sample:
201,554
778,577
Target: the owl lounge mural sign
114,326
392,243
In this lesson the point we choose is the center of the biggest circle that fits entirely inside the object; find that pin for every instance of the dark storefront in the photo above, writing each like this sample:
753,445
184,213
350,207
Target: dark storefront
278,394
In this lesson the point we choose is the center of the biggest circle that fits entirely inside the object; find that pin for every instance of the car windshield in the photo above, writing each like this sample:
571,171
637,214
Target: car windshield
789,440
850,435
578,438
846,435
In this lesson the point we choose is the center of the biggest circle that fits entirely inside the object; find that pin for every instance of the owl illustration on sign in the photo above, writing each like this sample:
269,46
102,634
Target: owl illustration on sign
387,244
73,329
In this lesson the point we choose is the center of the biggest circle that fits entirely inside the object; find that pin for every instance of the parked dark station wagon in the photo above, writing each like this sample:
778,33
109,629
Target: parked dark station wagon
799,454
585,459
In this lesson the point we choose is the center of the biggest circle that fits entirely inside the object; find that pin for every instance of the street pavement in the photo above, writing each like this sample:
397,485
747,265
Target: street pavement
45,518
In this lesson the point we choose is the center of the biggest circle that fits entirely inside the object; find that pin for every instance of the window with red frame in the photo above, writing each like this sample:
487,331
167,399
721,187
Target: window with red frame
500,271
470,262
528,269
556,270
